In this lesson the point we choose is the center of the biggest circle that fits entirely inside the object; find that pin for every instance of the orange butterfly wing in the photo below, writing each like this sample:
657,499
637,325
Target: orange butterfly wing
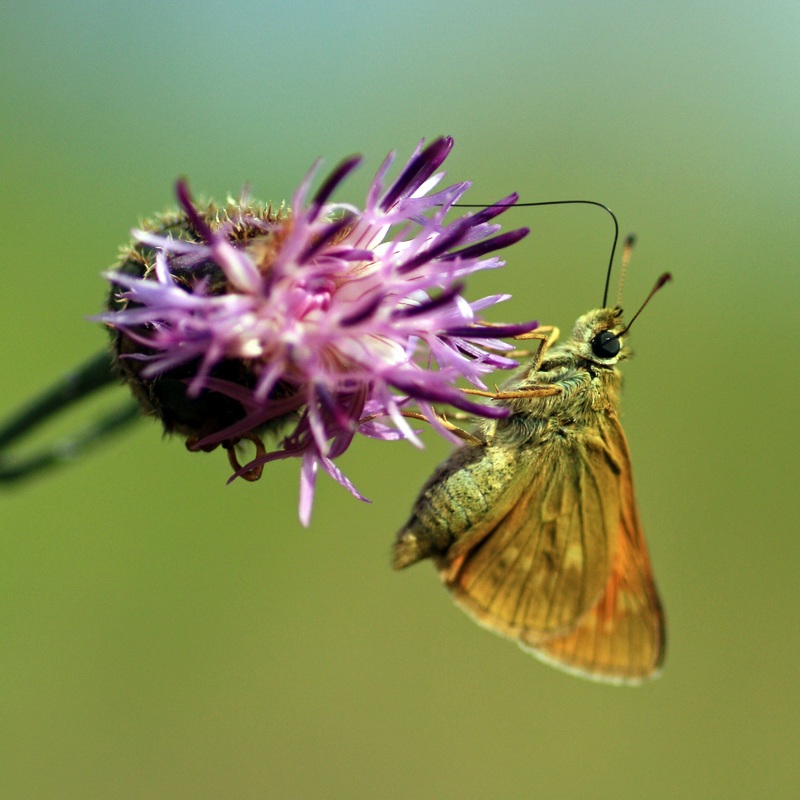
623,638
545,562
565,571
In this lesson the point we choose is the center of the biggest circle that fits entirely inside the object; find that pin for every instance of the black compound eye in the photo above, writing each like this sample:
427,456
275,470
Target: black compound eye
605,345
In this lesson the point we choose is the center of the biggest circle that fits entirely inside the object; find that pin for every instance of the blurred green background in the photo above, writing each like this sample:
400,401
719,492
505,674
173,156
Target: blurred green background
165,635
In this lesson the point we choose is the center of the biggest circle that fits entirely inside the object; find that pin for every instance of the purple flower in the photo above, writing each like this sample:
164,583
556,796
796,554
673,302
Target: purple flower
314,324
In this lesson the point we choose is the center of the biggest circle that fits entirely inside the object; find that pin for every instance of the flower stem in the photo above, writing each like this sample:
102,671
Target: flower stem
86,379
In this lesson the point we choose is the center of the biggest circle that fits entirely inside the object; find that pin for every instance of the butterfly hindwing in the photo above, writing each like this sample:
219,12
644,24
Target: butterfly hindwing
547,560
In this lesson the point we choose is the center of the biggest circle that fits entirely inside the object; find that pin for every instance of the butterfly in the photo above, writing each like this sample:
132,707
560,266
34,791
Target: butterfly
534,526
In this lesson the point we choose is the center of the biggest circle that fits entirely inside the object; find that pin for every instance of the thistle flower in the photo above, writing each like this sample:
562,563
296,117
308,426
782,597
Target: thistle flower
313,324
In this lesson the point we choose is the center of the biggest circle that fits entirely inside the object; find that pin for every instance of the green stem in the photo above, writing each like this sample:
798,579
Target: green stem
91,376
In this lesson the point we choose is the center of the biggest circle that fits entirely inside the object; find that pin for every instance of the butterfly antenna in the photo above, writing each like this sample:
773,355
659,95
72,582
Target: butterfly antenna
562,203
662,281
627,250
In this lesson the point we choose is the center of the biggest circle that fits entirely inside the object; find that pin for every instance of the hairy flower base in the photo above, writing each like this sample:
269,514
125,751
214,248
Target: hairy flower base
312,325
167,393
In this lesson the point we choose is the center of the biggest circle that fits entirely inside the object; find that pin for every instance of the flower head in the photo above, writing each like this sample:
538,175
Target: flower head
316,323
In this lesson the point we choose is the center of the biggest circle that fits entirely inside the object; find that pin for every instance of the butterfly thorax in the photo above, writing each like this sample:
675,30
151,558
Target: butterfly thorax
588,387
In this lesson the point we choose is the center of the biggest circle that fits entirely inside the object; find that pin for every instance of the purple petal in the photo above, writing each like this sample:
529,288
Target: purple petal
330,184
503,331
431,305
332,231
340,478
308,480
418,170
489,245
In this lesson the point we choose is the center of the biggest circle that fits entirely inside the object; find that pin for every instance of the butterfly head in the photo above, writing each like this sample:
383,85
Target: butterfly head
597,337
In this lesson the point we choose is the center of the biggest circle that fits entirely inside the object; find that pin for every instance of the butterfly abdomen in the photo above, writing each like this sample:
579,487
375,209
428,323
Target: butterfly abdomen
464,496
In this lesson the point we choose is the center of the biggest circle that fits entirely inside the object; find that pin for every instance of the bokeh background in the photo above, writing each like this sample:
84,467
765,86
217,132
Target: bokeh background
165,635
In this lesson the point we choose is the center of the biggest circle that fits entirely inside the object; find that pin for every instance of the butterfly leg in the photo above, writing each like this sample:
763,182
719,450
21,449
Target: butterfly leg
548,336
252,474
447,425
442,420
517,394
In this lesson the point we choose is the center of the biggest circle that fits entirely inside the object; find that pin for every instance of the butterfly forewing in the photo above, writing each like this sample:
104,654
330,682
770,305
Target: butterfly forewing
622,638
